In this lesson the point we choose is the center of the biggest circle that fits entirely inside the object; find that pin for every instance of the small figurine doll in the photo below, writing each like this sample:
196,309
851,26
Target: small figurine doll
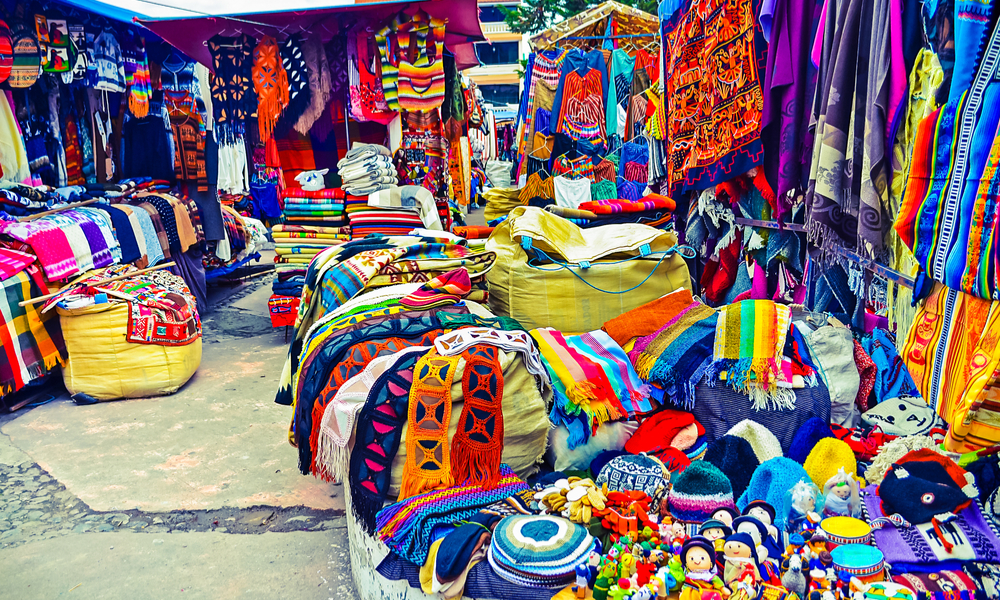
802,516
677,537
726,514
716,532
582,580
820,576
765,513
701,578
842,496
741,562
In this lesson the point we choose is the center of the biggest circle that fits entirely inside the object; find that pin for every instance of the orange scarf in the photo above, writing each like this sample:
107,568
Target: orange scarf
271,84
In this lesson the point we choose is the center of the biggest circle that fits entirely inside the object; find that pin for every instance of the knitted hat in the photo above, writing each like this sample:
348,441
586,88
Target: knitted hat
539,551
806,438
924,485
771,482
457,547
643,472
603,458
686,437
659,430
761,504
698,542
763,442
715,524
829,456
905,415
697,451
699,491
735,457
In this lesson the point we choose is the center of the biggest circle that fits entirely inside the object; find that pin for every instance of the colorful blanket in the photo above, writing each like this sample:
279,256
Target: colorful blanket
407,527
611,207
335,193
48,242
583,397
648,318
13,262
31,343
304,230
678,354
749,342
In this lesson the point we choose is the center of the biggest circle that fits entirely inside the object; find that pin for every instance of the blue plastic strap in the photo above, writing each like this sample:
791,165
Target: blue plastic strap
644,250
685,251
584,264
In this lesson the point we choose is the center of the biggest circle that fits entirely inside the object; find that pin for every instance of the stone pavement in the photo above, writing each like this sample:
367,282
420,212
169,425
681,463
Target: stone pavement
193,495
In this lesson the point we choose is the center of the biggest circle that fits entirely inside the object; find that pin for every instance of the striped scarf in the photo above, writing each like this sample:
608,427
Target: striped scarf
749,343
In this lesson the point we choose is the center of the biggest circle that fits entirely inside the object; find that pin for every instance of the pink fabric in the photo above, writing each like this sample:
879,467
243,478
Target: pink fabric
897,66
817,49
758,287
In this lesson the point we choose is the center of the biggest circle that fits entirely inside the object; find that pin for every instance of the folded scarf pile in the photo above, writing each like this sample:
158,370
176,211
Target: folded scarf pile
367,168
647,202
407,526
678,354
648,318
583,396
443,290
749,342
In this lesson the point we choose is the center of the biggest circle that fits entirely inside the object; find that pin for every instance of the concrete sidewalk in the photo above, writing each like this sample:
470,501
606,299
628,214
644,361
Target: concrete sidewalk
193,495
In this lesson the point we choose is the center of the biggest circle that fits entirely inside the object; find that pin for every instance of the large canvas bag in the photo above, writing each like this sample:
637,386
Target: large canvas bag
551,273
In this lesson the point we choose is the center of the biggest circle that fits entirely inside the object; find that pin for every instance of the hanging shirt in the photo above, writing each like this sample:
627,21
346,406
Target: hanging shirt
571,193
109,64
582,108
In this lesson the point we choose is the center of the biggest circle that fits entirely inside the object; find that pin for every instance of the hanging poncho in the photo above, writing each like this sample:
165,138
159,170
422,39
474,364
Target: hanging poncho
271,84
299,95
231,101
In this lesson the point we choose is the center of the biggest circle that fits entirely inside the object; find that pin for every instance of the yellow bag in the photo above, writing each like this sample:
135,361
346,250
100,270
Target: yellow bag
551,273
102,364
500,201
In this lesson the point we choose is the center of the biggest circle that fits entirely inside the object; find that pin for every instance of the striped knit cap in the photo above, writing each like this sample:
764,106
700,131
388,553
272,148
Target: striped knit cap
539,551
699,491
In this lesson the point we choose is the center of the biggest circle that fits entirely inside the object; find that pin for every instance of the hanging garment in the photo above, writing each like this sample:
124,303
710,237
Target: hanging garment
299,94
270,81
582,108
231,98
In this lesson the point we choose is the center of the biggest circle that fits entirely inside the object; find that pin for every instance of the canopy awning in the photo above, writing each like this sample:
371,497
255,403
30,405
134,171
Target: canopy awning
593,23
188,24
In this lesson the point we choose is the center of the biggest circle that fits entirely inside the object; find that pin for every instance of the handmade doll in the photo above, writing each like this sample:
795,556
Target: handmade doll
842,496
802,515
701,578
716,532
765,513
604,579
582,580
726,514
741,562
677,537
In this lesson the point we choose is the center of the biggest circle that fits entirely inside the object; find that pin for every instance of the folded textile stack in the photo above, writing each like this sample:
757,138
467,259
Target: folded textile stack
366,220
317,207
289,282
539,551
367,168
296,245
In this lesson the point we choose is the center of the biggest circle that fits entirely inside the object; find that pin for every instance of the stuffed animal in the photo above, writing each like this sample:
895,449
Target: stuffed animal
794,579
312,181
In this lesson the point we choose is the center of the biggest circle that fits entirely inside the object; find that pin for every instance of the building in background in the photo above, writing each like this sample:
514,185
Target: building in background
500,76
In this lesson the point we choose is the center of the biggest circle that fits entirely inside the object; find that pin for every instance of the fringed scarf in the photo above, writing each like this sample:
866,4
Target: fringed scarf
270,81
679,354
428,457
138,79
600,348
380,427
478,444
320,83
445,289
749,341
407,526
581,386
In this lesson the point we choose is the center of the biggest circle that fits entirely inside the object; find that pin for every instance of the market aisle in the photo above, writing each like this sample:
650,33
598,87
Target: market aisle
122,497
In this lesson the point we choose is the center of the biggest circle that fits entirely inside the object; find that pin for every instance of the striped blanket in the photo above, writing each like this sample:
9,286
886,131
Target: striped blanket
31,343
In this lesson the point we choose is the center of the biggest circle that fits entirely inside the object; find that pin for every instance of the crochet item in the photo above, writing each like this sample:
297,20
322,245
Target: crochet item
771,482
829,456
407,526
455,321
735,458
749,341
478,444
893,451
380,427
428,463
698,492
764,443
539,551
270,81
806,438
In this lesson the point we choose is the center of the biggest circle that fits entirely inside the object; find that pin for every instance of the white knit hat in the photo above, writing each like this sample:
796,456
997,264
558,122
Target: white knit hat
763,442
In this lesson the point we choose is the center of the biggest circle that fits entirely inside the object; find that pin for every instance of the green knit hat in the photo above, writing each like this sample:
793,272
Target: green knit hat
699,491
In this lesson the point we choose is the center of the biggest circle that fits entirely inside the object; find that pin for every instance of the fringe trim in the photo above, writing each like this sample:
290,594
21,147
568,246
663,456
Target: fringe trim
757,378
365,508
332,461
476,465
35,371
420,481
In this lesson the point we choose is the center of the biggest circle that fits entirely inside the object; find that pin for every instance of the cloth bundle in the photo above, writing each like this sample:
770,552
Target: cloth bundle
647,202
32,341
407,526
367,168
367,220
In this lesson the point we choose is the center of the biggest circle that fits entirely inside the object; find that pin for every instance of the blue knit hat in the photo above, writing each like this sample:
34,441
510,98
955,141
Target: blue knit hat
771,482
539,551
733,456
806,438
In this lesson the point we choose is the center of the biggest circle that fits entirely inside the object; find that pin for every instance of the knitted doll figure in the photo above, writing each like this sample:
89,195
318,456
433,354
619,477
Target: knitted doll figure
802,515
701,578
842,496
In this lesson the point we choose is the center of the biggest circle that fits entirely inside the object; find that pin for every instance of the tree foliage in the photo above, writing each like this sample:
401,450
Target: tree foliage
532,16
